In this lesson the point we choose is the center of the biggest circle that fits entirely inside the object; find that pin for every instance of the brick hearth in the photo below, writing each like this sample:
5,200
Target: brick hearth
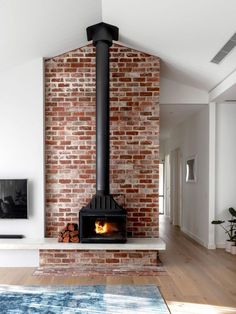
74,258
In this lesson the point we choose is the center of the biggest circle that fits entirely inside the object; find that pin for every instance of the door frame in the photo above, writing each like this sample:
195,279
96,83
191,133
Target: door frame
176,182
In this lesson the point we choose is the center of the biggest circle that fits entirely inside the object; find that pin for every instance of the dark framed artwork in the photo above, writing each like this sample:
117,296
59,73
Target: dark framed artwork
13,198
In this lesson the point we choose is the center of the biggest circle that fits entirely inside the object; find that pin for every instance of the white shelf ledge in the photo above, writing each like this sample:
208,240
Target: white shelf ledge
155,244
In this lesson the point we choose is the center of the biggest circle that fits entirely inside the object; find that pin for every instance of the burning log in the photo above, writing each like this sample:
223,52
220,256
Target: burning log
69,234
102,227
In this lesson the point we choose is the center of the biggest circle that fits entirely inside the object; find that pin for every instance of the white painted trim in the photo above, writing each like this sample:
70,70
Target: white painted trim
211,247
194,237
228,82
212,170
43,145
180,188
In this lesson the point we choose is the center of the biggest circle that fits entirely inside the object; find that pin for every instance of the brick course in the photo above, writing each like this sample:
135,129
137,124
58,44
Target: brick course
92,258
70,137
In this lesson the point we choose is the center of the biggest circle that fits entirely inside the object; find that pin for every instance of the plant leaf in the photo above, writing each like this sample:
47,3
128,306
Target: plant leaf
232,211
217,222
232,220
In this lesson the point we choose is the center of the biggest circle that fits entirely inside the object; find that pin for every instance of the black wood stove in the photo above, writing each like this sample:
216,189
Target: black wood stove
102,220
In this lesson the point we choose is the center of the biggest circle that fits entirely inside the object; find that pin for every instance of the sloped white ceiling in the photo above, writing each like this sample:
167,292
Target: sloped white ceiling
43,28
185,34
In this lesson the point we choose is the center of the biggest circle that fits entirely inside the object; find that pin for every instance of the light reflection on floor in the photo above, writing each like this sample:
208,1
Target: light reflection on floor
194,308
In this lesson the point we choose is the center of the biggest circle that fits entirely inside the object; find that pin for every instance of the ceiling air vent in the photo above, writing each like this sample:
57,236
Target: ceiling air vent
225,50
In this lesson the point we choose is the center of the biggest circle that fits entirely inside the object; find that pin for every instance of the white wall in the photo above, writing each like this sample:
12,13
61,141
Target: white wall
19,258
22,141
192,137
225,164
172,92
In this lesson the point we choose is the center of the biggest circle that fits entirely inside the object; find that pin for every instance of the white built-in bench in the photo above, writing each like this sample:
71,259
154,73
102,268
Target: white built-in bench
25,252
53,244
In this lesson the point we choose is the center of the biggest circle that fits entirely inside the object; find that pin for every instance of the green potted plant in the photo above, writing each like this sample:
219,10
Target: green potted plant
229,227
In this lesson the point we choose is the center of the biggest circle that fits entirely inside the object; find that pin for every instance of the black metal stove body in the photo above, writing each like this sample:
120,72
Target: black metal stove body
102,220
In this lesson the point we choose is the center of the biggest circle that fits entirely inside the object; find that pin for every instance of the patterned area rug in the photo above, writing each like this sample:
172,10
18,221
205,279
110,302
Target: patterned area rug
117,299
98,271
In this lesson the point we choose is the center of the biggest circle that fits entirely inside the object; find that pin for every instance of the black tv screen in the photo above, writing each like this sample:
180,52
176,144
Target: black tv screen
13,198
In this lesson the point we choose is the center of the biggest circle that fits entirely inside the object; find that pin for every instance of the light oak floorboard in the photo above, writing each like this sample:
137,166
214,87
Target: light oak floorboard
197,281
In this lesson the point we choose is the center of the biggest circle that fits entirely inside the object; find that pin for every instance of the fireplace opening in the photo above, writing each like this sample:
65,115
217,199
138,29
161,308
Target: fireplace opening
104,228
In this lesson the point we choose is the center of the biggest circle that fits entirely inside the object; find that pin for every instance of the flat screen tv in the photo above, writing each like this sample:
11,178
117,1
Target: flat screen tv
13,198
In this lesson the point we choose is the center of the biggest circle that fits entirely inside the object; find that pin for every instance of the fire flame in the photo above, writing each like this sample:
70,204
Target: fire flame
102,227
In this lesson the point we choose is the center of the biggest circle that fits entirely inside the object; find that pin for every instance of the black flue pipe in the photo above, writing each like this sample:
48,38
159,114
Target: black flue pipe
102,118
102,35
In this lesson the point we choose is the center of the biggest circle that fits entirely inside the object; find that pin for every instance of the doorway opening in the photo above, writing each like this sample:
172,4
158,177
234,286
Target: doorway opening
173,187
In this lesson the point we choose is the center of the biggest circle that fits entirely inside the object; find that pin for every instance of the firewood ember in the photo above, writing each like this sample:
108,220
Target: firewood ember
69,234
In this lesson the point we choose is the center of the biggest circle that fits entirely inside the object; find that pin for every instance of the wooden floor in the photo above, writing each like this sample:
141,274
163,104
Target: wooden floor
197,281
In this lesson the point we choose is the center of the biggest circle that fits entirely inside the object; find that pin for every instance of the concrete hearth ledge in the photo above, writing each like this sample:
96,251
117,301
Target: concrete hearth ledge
155,244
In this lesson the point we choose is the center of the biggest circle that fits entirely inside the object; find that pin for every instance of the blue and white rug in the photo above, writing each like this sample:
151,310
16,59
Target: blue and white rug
110,299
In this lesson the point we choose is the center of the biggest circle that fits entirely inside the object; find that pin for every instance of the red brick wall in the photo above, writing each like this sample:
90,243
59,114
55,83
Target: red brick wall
70,136
95,258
